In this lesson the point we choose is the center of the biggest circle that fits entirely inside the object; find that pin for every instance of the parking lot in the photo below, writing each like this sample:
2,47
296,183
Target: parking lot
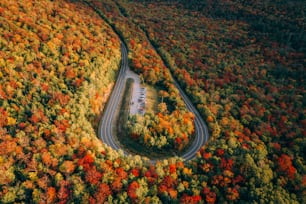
138,101
139,93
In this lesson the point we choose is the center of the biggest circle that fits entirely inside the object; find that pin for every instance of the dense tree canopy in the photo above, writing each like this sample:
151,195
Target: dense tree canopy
247,84
58,62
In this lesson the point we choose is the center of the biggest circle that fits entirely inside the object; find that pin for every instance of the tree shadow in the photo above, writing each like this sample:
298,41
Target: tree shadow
282,21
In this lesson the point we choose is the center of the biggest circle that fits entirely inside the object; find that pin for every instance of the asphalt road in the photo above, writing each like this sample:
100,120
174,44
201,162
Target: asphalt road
201,130
106,124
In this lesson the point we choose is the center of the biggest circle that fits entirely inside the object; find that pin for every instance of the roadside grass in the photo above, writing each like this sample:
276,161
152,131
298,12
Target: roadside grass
151,99
123,113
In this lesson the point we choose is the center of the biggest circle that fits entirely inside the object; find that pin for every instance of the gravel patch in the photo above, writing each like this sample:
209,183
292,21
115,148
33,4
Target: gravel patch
138,99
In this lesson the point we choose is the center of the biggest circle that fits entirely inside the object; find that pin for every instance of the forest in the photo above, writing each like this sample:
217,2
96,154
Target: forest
242,63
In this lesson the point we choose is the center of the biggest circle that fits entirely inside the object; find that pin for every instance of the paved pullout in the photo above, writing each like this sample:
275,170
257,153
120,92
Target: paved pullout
106,123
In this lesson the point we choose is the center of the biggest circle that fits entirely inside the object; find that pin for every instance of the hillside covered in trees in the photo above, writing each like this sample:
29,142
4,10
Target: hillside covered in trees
241,63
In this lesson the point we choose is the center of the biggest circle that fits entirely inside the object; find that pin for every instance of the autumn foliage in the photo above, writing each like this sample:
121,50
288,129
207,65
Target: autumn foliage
242,80
58,62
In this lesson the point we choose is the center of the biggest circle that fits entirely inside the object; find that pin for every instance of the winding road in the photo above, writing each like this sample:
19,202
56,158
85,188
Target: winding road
106,123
